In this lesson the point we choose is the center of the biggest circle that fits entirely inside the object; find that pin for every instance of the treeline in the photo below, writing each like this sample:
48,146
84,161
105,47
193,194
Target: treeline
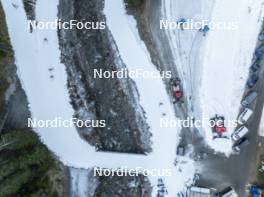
5,56
27,169
134,3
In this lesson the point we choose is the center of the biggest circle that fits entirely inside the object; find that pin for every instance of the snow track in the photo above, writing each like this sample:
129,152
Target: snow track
186,45
152,92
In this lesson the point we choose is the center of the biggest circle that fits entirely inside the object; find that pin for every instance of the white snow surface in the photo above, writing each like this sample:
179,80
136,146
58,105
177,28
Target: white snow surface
79,182
49,97
215,68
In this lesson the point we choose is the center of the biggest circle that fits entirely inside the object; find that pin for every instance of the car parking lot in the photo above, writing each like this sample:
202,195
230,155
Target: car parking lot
219,171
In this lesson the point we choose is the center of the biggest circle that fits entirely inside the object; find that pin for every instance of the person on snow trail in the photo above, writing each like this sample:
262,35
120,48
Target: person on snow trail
204,30
162,190
15,5
181,21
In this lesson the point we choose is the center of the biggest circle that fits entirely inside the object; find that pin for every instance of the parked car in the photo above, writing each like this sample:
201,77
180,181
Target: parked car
239,133
255,67
180,150
245,116
228,192
251,96
254,190
241,145
259,52
253,79
261,36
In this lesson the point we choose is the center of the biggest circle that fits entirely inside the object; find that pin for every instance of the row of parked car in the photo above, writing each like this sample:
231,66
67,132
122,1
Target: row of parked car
239,135
251,189
196,191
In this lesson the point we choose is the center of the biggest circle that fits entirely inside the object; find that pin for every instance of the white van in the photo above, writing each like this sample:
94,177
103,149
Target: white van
199,191
239,133
245,115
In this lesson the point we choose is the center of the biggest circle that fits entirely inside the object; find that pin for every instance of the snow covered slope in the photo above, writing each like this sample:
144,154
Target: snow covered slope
214,68
38,51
